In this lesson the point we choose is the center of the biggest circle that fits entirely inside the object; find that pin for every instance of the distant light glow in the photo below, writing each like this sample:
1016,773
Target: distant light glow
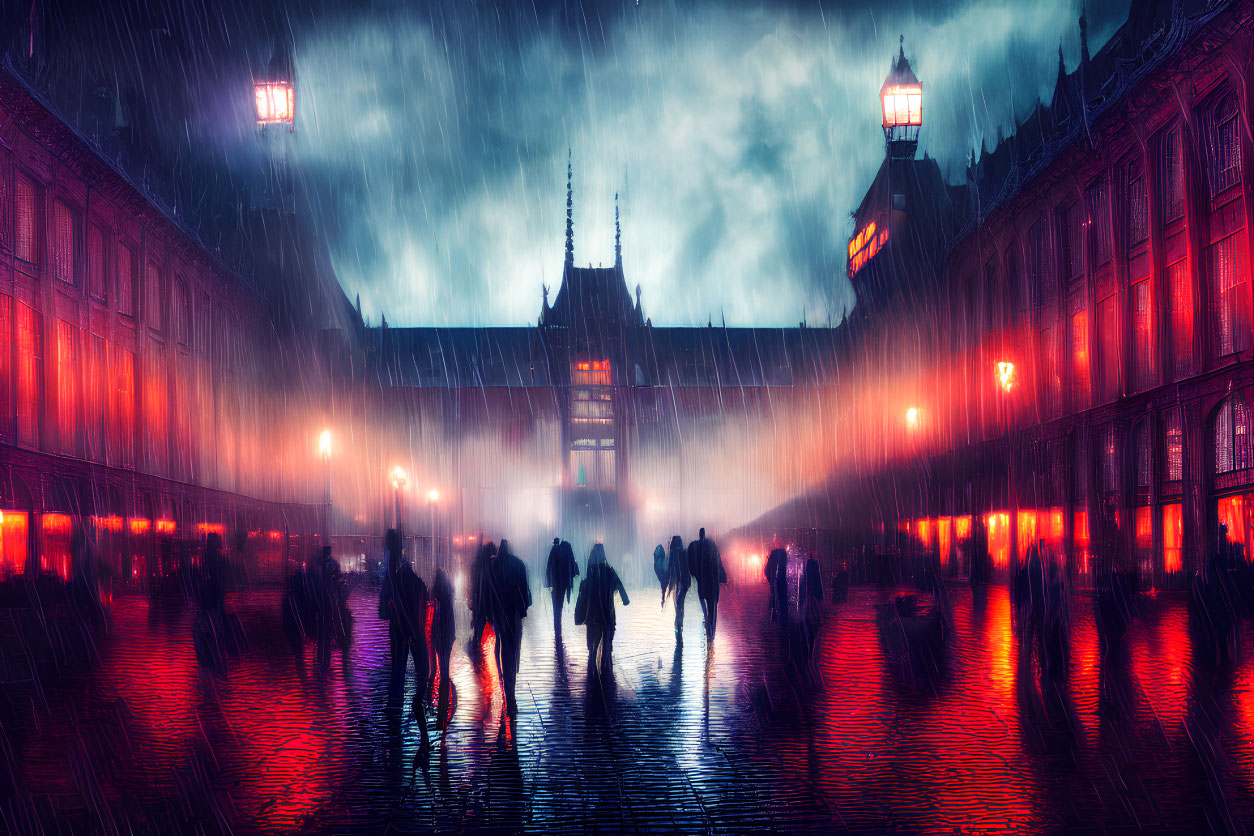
399,479
912,417
433,495
324,443
166,526
1006,375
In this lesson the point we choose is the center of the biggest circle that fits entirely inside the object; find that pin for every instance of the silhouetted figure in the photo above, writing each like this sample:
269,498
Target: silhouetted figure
1114,612
332,618
511,599
678,580
480,596
1213,613
443,633
661,569
1034,603
776,573
840,586
706,565
559,577
298,619
404,600
810,604
1055,645
215,634
597,591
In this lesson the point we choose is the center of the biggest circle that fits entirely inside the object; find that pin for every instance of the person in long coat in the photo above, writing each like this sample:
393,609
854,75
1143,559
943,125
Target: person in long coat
678,582
706,565
406,612
443,633
480,595
810,603
776,572
559,577
511,597
599,585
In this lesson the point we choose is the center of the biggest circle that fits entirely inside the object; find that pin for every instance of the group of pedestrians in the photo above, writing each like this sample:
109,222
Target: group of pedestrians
676,570
500,595
1042,609
315,606
809,595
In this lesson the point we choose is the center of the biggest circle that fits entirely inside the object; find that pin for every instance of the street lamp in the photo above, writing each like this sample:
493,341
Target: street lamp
1006,375
399,479
912,417
324,450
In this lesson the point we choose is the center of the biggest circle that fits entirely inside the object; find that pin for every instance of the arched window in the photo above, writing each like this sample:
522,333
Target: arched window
1173,445
1232,436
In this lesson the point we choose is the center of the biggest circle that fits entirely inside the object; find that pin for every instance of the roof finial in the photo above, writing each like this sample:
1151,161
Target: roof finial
570,221
618,236
901,46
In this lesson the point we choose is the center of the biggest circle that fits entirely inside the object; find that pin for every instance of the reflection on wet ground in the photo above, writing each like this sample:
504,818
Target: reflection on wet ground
677,739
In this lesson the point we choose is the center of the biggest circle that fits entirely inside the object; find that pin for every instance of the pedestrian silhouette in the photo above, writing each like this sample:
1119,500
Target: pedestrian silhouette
403,602
661,569
597,607
559,578
810,604
705,563
678,580
511,597
480,597
776,573
443,633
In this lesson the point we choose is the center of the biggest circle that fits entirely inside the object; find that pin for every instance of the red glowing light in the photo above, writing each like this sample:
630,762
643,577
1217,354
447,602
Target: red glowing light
14,526
276,102
1173,538
166,526
205,529
865,245
1006,375
110,523
140,526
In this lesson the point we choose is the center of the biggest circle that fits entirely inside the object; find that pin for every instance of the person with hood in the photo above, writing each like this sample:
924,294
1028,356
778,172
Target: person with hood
511,597
480,595
706,565
597,590
678,581
777,577
559,578
403,602
443,632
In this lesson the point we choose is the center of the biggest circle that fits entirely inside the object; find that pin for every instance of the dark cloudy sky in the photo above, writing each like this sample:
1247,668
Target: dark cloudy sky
740,136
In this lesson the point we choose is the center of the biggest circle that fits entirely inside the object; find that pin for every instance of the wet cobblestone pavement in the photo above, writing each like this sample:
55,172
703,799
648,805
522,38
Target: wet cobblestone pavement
677,740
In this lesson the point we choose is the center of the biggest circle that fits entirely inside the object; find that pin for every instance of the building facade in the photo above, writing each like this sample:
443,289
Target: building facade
1083,364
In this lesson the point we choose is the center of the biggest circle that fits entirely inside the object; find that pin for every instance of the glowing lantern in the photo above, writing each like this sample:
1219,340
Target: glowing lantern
901,105
276,103
324,443
912,417
1006,375
399,479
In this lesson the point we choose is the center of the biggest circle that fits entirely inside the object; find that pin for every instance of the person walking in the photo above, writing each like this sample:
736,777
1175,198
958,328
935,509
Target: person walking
598,588
443,633
777,577
403,603
559,578
511,597
679,579
810,604
480,596
706,564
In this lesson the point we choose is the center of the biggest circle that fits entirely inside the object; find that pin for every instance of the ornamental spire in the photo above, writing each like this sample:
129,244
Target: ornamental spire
570,221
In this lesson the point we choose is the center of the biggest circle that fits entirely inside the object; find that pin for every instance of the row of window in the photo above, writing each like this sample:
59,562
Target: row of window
1081,358
107,267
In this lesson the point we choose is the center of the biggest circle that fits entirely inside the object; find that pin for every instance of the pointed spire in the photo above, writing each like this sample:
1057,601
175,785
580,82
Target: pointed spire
570,220
618,237
901,47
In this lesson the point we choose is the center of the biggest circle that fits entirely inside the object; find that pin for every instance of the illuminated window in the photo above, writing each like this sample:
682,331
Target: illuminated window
126,280
27,220
54,545
67,387
1223,139
1110,461
30,373
1081,387
1180,313
1227,277
1173,445
1232,436
14,543
1173,538
1141,441
276,102
95,398
590,373
66,228
1108,340
1170,175
96,282
123,413
1142,335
